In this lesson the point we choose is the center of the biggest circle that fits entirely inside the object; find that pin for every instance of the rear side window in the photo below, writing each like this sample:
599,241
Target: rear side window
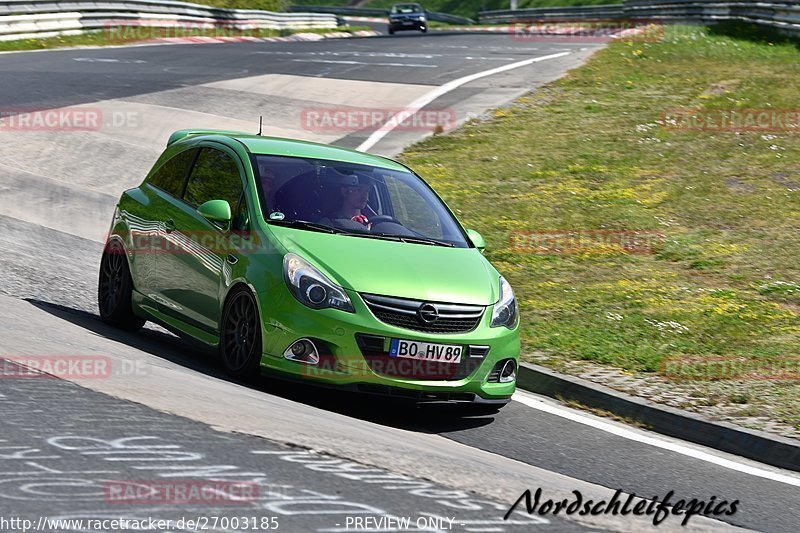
172,174
214,177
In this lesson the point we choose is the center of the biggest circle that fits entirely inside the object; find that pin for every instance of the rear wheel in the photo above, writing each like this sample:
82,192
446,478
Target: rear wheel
391,31
424,29
114,289
240,335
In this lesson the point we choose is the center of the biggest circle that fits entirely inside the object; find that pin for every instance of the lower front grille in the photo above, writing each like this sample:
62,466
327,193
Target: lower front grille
428,317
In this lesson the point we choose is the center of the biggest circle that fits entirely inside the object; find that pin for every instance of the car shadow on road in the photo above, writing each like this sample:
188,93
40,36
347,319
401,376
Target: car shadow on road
425,418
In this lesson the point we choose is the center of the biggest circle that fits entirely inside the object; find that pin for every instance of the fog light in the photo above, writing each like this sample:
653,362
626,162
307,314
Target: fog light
299,348
509,372
504,371
302,351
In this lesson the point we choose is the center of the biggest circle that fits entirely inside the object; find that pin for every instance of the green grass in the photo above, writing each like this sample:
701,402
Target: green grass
338,3
589,152
126,35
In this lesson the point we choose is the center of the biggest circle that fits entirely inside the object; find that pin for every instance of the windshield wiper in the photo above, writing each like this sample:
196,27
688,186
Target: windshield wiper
313,226
411,239
305,224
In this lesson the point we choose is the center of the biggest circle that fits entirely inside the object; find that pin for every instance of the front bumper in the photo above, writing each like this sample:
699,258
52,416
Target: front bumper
346,361
413,24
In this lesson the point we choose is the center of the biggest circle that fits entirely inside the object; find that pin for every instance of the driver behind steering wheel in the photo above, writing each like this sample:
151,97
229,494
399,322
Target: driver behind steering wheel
352,196
354,202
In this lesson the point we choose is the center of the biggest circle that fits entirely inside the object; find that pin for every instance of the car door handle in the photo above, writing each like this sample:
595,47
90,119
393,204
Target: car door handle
232,259
169,225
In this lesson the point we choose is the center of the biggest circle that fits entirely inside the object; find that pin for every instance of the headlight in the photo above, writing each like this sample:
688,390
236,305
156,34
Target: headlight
312,287
505,310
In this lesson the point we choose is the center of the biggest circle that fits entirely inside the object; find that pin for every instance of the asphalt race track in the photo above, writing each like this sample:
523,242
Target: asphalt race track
317,456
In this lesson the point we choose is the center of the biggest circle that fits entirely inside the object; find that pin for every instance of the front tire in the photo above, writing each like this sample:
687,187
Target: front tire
240,335
115,288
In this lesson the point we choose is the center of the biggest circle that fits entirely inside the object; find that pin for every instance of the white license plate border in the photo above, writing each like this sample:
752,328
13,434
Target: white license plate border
393,351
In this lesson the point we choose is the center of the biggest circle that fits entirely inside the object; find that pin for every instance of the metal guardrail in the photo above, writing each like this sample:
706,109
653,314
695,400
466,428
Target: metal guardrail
610,11
25,19
343,11
783,15
449,19
374,12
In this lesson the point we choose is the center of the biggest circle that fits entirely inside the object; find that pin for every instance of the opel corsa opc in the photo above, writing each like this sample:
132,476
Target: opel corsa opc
311,262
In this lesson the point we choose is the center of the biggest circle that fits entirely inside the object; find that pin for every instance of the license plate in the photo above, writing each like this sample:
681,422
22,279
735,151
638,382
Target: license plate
425,351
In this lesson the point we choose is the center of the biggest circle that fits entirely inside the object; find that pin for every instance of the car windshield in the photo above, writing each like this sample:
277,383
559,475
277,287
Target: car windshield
360,200
406,8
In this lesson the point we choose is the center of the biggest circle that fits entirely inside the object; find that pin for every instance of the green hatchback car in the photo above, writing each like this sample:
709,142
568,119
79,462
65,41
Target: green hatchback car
311,262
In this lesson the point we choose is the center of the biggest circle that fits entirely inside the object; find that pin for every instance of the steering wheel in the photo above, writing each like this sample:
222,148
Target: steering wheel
380,219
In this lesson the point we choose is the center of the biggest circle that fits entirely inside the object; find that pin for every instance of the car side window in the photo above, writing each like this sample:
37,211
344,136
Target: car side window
214,177
171,177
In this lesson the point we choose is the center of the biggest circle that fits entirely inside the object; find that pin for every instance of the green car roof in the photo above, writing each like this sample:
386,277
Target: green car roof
258,144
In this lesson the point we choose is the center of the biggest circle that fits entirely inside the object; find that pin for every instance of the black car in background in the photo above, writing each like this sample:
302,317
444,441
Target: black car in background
407,17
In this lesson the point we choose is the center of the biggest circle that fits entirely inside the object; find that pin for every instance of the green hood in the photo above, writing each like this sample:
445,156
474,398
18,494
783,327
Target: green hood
390,268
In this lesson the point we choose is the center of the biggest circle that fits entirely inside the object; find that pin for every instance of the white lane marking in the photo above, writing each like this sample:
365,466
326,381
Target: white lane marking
350,54
369,63
427,98
106,60
379,54
625,433
485,58
476,47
